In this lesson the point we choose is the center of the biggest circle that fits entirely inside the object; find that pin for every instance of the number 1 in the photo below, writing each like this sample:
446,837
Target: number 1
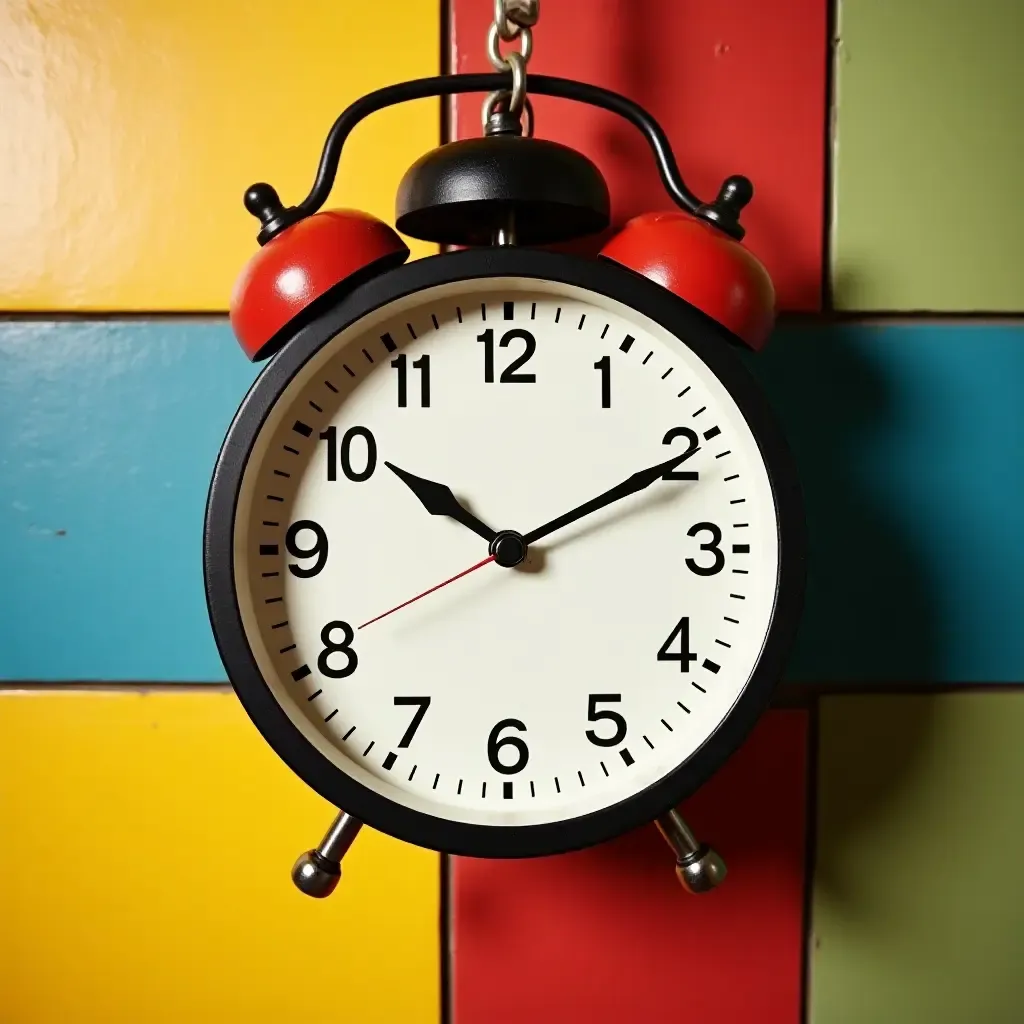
604,366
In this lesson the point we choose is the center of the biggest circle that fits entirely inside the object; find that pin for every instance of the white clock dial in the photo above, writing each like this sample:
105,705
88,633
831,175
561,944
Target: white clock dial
512,695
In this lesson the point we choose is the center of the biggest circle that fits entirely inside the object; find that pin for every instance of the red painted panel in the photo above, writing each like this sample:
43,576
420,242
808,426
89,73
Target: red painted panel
739,85
607,935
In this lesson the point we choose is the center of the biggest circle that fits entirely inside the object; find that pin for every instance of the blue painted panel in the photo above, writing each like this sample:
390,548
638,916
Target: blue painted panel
909,438
108,435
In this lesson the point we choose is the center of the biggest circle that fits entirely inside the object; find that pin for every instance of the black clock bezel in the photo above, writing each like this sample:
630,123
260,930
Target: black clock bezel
712,344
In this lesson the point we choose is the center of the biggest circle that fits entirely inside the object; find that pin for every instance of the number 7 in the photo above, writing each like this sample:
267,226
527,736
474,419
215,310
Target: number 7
422,703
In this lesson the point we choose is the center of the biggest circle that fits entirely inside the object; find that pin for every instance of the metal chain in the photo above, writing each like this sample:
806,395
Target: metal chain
513,19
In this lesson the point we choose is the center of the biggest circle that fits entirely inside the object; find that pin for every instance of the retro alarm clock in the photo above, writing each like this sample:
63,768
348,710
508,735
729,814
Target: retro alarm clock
504,548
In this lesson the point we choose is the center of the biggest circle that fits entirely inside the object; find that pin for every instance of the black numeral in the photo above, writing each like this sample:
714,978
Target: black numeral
691,443
423,365
718,559
509,374
593,715
332,647
317,551
494,745
421,704
604,366
330,435
684,656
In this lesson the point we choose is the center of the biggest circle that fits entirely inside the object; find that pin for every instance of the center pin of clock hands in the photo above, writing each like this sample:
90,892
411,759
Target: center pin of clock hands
507,547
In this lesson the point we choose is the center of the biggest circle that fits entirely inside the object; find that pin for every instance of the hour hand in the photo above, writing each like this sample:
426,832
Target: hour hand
438,500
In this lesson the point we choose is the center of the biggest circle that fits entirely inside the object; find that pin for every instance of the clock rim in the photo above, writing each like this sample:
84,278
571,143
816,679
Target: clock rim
711,343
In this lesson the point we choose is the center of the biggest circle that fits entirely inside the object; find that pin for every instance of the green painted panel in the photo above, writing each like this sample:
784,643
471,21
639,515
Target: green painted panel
919,891
929,160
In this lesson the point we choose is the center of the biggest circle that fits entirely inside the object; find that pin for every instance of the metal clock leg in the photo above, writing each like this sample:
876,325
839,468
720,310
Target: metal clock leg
317,872
698,867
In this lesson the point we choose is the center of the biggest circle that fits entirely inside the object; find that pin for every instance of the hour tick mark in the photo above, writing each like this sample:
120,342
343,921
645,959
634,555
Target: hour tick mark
313,696
626,756
412,333
649,743
506,787
713,432
509,310
331,715
348,369
388,342
369,358
349,733
269,549
667,372
627,343
580,325
646,357
389,761
741,549
711,666
313,405
302,428
369,748
301,672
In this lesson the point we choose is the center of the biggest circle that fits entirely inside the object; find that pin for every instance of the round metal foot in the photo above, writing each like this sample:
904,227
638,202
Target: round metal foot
315,875
701,871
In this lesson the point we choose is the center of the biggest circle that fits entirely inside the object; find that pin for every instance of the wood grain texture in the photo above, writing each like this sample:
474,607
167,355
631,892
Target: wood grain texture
146,846
607,935
132,129
918,892
738,85
929,156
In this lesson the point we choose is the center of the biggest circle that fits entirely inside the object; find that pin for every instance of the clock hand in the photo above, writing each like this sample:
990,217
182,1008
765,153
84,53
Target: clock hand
637,482
438,500
452,579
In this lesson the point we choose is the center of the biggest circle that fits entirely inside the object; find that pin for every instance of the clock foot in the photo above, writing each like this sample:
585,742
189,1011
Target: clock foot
698,867
317,872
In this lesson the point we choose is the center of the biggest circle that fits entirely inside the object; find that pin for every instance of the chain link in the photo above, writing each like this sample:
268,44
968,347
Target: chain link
513,19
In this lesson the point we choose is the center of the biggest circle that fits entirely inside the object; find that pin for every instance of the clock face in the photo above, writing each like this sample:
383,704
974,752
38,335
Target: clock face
417,665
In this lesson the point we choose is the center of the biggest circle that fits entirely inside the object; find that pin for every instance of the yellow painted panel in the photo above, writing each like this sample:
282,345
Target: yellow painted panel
131,129
145,845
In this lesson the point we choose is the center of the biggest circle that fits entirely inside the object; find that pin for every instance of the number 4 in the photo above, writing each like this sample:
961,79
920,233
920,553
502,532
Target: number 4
685,656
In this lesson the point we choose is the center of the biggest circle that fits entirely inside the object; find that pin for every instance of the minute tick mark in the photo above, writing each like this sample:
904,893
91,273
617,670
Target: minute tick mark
649,743
703,408
369,358
683,392
349,733
605,331
646,357
580,325
331,715
412,333
348,369
315,406
666,373
369,748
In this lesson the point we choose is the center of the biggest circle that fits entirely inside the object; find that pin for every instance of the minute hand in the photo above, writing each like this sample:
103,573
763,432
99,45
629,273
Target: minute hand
637,482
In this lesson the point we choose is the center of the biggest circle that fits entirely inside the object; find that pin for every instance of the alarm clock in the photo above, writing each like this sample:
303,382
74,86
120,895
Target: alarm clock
504,548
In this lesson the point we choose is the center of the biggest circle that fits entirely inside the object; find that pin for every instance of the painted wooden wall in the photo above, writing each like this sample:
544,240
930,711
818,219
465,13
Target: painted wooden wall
871,823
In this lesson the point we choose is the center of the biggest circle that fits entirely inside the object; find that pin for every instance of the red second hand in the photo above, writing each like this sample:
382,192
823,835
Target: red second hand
404,604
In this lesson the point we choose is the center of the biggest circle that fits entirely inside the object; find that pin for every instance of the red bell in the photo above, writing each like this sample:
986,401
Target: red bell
700,263
301,265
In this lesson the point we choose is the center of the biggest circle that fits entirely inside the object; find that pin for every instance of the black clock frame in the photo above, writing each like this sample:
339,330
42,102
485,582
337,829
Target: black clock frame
714,345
